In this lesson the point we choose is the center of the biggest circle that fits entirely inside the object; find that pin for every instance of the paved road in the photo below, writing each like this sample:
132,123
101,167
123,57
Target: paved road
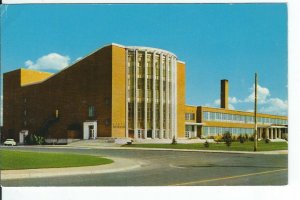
173,168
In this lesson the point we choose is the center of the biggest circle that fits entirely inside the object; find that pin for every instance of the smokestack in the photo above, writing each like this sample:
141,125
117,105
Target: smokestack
224,94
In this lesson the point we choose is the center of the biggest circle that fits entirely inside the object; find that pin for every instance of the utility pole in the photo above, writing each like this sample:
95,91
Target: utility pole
255,114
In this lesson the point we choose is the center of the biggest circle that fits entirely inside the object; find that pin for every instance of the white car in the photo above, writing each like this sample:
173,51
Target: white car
10,142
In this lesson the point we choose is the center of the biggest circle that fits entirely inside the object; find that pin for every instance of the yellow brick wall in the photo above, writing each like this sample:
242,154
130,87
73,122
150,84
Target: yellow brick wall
191,109
118,91
31,76
180,99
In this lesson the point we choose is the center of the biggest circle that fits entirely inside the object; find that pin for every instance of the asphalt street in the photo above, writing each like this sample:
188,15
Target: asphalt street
172,168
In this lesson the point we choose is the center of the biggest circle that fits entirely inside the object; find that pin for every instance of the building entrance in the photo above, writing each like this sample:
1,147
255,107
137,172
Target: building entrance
89,130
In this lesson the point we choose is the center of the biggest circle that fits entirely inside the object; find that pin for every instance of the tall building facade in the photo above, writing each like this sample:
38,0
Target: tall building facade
117,91
121,92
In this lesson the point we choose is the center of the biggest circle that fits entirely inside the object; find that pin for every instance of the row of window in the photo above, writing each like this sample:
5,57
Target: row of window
215,116
141,84
141,114
212,131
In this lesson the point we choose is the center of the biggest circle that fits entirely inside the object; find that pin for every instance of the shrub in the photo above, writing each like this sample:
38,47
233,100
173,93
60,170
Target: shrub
241,139
227,138
39,140
218,138
174,141
206,144
234,138
251,138
246,137
267,141
33,139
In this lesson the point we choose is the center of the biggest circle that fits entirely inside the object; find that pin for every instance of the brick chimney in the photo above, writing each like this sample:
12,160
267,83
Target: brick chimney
224,94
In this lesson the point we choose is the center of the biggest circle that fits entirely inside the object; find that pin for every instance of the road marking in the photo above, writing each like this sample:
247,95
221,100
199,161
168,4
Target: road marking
174,166
228,177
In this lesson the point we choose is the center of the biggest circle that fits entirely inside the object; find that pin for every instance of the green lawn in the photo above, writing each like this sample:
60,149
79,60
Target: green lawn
34,160
235,146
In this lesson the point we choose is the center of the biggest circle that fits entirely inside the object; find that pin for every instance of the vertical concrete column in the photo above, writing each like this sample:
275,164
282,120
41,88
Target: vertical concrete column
167,98
146,95
126,93
135,94
161,103
279,133
271,133
195,131
172,99
154,97
175,97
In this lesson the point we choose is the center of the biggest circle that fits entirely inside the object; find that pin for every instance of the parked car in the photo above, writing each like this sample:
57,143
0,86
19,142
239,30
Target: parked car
10,142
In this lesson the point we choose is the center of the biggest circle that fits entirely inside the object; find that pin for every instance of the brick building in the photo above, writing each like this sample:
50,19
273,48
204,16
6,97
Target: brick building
120,92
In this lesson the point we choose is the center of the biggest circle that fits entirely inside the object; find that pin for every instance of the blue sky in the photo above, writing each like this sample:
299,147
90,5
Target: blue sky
217,41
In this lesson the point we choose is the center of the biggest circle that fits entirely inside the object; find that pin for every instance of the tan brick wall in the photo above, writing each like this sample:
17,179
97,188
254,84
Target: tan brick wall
32,76
191,109
11,104
180,99
118,91
71,91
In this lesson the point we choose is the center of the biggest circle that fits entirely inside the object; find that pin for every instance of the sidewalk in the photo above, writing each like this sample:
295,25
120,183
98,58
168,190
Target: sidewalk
154,149
119,164
187,150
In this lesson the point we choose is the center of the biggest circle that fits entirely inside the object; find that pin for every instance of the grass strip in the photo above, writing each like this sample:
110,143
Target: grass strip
235,146
11,159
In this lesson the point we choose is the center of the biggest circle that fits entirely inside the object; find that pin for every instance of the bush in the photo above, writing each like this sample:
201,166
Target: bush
227,138
246,137
206,144
267,141
234,138
251,138
174,141
241,139
33,139
218,138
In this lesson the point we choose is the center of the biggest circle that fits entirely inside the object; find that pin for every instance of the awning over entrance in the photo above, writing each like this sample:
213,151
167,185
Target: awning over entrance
194,123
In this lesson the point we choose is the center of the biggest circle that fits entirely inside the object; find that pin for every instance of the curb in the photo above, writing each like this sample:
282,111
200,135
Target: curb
161,149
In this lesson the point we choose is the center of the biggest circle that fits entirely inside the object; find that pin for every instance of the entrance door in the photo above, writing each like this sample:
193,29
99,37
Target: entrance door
89,130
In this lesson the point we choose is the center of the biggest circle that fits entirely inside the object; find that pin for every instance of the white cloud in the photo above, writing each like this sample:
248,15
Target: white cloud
79,58
275,106
231,107
217,102
234,100
267,104
262,94
52,61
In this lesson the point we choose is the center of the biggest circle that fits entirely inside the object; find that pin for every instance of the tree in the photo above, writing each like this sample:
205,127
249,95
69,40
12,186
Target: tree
174,140
227,137
206,144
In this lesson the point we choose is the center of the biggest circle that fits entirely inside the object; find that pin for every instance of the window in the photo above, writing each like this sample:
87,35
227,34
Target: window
140,83
189,116
107,122
157,84
206,116
149,84
91,111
